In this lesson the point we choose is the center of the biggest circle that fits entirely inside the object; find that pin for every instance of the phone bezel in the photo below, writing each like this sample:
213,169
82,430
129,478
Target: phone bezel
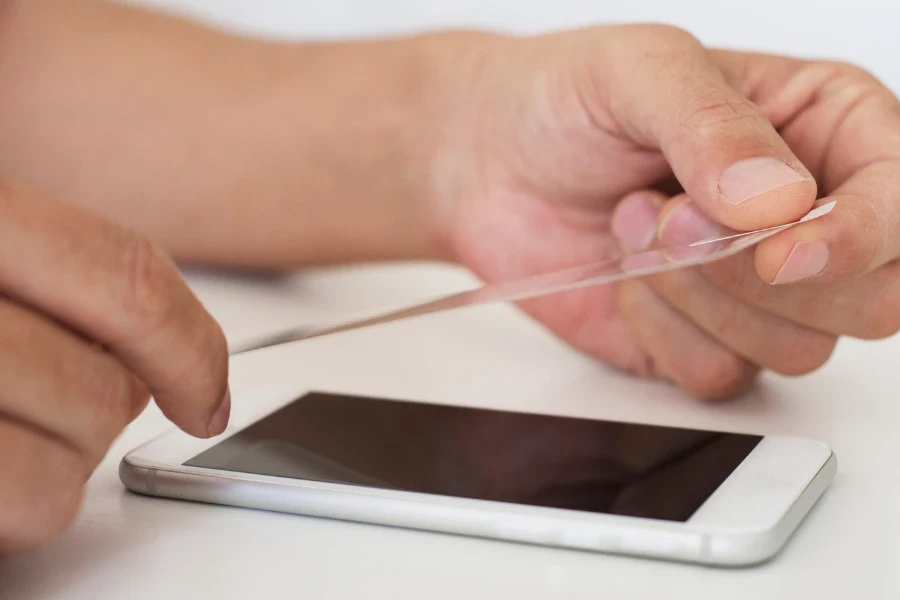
745,520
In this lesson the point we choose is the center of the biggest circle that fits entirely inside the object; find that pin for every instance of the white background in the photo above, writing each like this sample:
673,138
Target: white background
125,546
864,31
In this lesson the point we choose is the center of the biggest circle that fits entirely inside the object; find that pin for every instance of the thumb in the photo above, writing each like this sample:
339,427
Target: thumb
724,151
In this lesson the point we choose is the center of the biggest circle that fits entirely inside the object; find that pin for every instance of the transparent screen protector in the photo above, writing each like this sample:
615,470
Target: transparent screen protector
653,261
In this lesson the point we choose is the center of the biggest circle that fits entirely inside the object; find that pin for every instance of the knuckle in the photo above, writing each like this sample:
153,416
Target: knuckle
150,293
711,108
848,71
853,82
719,376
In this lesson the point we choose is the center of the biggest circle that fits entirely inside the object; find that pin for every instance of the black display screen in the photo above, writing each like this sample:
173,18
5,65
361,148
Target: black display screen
560,462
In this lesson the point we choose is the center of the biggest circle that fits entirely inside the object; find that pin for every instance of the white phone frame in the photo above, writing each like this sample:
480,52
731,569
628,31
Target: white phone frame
746,521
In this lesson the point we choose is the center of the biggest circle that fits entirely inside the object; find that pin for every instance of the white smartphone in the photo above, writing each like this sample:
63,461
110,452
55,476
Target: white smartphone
717,498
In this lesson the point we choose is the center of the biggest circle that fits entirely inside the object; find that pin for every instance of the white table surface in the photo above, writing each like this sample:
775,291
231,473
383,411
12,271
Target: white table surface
127,546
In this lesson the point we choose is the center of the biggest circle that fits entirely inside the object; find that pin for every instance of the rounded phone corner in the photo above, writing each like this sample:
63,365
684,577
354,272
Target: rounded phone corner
742,550
830,456
133,477
755,547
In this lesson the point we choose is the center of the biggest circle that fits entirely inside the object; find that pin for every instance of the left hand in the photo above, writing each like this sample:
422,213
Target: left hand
556,153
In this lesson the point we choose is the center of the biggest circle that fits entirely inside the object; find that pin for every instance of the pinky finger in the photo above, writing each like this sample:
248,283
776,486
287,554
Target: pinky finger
681,351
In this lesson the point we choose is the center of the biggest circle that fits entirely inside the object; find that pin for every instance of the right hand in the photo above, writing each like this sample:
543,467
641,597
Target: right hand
556,148
93,319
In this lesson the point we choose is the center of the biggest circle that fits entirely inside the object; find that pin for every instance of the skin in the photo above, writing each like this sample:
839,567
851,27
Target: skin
129,139
88,315
550,194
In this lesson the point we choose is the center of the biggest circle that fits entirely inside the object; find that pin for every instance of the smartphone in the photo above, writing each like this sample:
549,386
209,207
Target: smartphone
709,497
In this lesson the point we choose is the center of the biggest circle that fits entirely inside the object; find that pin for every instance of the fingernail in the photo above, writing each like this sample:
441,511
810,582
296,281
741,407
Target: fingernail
687,224
805,260
751,177
634,222
219,420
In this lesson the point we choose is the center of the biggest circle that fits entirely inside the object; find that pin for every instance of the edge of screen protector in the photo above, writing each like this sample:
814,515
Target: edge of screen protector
653,261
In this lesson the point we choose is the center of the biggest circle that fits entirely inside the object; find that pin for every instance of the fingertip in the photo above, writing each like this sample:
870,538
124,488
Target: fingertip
667,209
210,426
634,220
681,221
791,260
764,192
192,427
807,253
194,387
219,420
194,420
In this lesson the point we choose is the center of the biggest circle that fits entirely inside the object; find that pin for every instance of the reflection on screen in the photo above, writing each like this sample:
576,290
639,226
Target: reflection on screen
579,464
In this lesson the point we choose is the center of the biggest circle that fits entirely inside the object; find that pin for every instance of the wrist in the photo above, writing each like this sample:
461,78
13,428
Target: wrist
455,62
368,125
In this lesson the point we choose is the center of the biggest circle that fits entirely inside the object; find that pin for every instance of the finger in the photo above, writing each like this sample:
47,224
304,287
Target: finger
633,221
682,222
760,337
845,125
115,288
58,383
860,234
836,117
41,482
721,147
867,308
681,351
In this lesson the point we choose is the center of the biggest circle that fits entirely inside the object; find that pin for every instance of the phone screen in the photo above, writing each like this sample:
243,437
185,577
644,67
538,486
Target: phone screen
522,458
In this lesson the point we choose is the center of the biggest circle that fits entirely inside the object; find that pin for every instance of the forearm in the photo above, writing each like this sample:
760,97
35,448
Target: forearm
227,151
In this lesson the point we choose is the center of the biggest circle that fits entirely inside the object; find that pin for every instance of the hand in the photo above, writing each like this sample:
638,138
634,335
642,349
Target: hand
92,320
562,152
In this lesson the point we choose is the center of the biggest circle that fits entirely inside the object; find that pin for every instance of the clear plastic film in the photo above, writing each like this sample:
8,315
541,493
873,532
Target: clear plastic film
653,261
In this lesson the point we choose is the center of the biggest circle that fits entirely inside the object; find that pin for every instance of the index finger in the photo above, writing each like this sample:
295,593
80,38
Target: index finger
116,288
862,233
